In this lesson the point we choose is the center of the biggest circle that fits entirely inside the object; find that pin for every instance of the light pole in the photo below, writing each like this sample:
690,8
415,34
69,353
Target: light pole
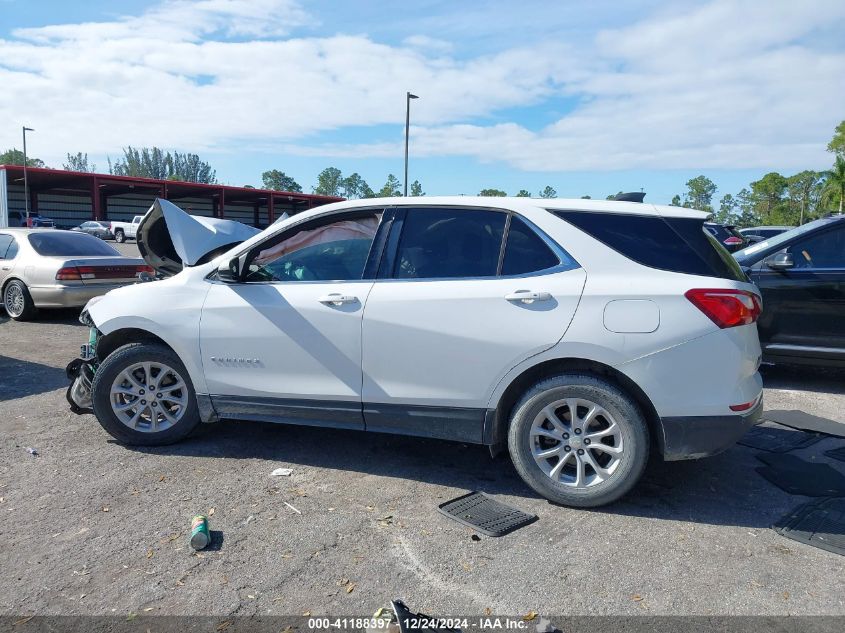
25,181
408,97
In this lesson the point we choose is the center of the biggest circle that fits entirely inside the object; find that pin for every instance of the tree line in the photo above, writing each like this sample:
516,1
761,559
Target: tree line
773,199
776,199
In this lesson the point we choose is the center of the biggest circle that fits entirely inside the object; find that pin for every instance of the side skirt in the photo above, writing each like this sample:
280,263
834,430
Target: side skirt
448,423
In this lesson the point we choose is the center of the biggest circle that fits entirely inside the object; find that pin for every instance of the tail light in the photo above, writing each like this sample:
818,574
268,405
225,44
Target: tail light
726,307
733,240
77,273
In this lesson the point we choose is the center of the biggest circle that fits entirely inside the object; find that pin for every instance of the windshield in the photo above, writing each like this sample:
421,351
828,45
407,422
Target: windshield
777,240
67,244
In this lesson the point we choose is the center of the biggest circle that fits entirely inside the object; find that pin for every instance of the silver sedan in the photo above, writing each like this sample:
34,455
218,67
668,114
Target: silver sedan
49,268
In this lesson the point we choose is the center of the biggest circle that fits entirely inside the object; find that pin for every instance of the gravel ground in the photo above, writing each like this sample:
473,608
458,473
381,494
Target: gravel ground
92,527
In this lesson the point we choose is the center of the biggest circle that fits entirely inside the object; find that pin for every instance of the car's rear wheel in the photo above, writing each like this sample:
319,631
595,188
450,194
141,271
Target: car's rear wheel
119,237
142,395
17,301
578,440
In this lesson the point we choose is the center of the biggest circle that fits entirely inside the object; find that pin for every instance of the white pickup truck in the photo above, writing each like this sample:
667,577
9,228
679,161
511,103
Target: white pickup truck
123,231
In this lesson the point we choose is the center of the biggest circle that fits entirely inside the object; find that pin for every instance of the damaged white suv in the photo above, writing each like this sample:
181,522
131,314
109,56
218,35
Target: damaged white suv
579,334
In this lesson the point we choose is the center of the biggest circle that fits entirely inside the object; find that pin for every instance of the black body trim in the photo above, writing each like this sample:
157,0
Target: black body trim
459,424
206,409
692,437
445,423
328,413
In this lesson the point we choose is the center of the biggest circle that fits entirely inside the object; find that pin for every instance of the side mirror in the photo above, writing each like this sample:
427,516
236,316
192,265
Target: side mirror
780,261
229,271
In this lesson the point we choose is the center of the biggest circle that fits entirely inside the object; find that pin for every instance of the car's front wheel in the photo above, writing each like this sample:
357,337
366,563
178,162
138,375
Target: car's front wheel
578,440
142,395
17,301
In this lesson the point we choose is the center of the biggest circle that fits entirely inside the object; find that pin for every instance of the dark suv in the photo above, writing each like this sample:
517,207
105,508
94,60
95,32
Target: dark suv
801,274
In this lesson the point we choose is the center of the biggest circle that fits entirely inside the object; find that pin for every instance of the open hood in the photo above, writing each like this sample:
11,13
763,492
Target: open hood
170,239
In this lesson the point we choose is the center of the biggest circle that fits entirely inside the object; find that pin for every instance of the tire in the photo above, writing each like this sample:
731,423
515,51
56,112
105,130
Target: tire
112,389
619,419
17,301
119,237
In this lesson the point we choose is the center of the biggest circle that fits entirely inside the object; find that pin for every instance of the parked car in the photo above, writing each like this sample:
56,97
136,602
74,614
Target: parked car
47,268
727,235
125,230
35,221
760,233
97,229
578,334
801,275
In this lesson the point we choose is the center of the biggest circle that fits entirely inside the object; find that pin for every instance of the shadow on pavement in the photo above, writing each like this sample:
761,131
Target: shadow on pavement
21,378
62,316
721,490
804,378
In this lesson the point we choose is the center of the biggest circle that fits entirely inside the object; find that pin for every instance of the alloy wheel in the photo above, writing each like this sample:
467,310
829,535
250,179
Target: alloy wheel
149,397
576,442
14,300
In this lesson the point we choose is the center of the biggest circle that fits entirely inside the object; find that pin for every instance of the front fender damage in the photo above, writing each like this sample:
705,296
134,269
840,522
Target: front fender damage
80,371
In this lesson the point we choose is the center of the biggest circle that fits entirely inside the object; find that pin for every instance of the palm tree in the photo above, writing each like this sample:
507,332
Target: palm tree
835,182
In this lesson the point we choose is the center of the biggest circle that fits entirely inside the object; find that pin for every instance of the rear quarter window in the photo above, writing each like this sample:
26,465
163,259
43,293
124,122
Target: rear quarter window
681,245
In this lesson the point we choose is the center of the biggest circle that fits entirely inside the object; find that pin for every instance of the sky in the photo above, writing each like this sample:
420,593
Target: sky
587,97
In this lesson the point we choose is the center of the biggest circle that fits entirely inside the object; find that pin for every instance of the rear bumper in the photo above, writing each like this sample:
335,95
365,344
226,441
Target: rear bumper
692,437
59,296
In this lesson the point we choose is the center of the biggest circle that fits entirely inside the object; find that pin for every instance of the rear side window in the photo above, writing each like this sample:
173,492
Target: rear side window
525,251
447,243
678,245
5,242
67,244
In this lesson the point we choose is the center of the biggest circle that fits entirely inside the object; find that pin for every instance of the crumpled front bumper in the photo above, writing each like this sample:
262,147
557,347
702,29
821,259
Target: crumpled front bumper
81,374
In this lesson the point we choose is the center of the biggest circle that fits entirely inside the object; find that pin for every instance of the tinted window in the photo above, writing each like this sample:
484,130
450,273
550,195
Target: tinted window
67,244
525,251
822,250
674,244
13,249
5,242
330,252
446,243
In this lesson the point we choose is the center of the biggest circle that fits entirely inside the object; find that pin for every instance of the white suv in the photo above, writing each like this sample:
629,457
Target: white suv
579,334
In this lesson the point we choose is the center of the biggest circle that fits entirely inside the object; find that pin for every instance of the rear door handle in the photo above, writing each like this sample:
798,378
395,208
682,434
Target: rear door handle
337,299
528,296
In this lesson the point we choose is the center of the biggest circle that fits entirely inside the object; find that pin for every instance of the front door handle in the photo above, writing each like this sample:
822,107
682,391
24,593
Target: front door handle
7,268
337,299
528,296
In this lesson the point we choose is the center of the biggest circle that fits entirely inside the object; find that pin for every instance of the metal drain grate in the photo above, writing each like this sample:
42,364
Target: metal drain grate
819,523
486,515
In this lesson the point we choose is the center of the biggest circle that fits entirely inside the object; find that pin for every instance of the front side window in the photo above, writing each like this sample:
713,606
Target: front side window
334,251
450,243
820,251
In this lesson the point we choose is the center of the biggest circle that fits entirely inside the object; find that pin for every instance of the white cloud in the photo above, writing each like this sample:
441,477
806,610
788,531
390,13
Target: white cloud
731,84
